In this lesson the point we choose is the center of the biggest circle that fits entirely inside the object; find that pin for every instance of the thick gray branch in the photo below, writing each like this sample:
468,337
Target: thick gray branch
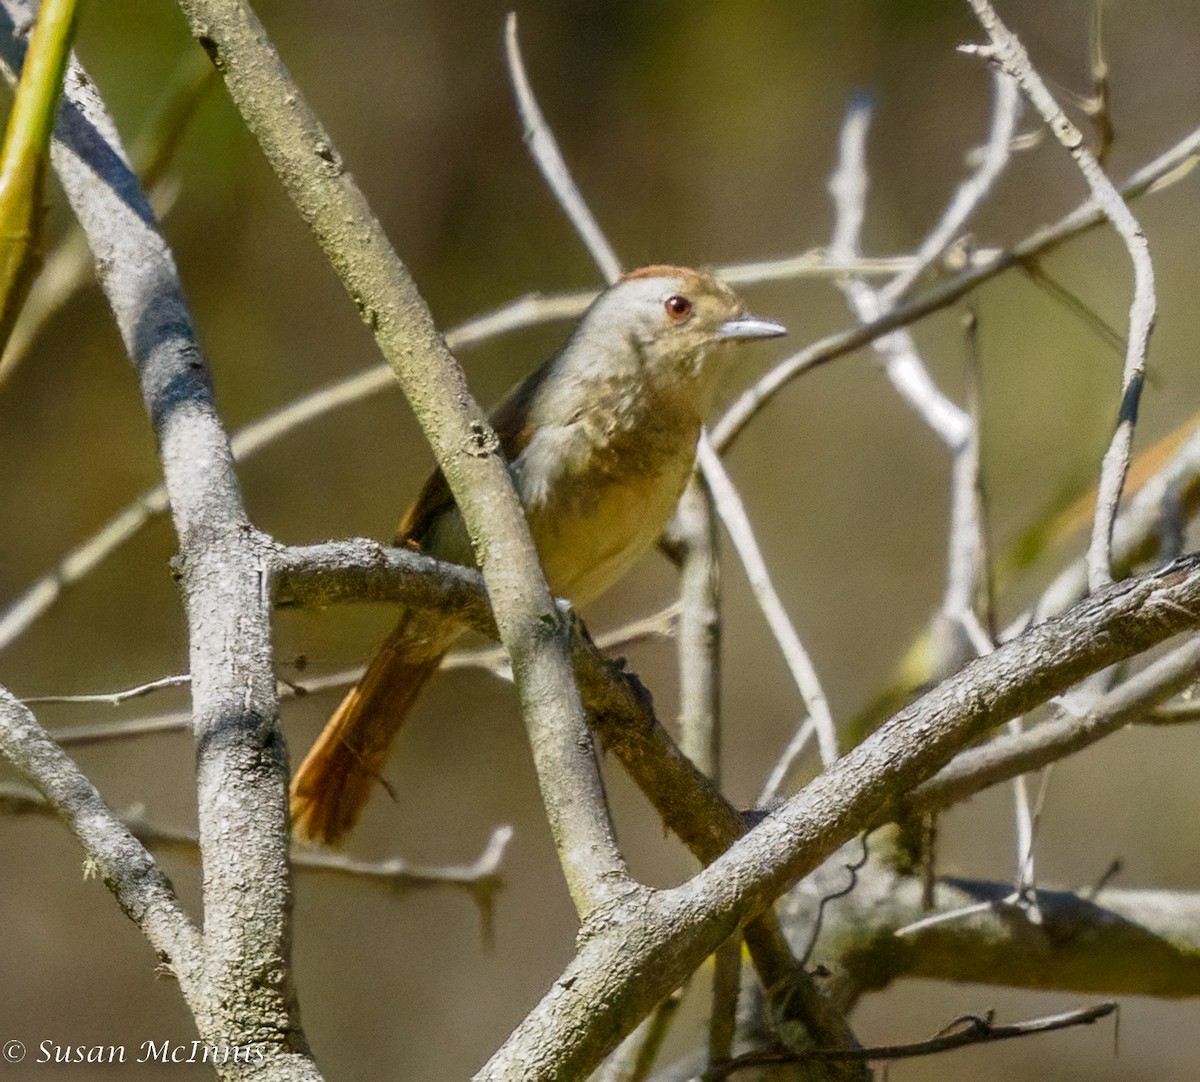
618,976
315,178
141,890
1008,756
1119,942
241,764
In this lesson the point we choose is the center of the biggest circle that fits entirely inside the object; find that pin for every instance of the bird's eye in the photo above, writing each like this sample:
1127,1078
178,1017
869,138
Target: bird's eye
677,307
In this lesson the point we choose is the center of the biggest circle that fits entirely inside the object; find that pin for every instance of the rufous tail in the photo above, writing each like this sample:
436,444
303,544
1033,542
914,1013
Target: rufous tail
333,783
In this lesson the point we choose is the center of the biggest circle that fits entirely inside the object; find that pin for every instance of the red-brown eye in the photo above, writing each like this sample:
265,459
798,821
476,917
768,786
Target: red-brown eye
677,307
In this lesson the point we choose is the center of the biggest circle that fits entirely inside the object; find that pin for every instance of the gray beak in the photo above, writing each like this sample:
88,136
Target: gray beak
748,326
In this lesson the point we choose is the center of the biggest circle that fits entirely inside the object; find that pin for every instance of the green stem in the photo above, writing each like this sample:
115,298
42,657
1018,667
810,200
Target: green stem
23,157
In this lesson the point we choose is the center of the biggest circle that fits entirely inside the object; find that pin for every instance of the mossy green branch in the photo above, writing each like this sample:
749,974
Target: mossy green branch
23,158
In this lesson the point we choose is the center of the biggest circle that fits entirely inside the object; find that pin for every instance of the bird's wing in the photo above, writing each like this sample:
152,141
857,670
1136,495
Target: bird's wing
511,421
431,503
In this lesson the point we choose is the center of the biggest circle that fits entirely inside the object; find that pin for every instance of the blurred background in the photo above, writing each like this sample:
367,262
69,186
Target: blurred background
699,133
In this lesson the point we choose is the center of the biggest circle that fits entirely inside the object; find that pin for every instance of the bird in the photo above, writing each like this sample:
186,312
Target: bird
600,441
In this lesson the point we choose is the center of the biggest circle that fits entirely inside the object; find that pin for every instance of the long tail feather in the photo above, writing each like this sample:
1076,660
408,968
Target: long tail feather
335,779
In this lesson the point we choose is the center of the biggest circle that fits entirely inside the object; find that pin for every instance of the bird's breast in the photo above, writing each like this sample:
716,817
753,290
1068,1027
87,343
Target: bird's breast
597,497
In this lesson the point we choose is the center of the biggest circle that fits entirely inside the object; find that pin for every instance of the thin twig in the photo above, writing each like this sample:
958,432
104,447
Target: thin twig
848,188
811,264
480,878
952,915
492,660
113,698
961,1033
781,772
1099,106
1008,50
991,162
544,148
79,562
1173,163
737,523
910,377
832,896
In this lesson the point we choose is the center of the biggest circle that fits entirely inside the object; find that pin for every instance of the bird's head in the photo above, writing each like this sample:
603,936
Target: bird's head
669,324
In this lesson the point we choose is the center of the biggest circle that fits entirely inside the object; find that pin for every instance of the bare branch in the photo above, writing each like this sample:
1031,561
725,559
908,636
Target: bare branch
113,698
848,187
141,890
240,762
1009,51
692,543
481,875
1008,756
1124,619
544,148
620,711
961,1033
1096,942
733,515
1006,112
812,264
345,570
481,878
79,562
910,377
784,766
987,265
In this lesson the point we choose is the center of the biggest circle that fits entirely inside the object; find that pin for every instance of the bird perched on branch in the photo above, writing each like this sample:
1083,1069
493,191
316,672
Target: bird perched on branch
601,441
